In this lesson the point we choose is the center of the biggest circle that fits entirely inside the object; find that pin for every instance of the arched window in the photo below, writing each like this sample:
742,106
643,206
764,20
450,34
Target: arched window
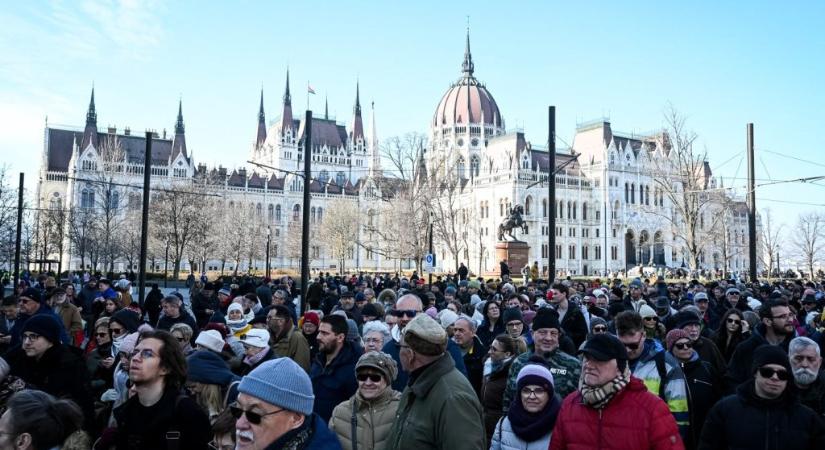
258,210
474,165
570,210
647,195
312,215
528,205
544,207
296,213
320,214
87,199
561,210
277,213
340,178
461,167
575,207
633,193
270,212
626,193
323,176
114,199
584,211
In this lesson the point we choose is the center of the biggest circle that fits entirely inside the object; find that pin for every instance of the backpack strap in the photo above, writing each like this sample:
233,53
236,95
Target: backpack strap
173,433
660,367
354,424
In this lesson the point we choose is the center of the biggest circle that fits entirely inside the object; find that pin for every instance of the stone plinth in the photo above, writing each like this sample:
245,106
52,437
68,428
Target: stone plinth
516,253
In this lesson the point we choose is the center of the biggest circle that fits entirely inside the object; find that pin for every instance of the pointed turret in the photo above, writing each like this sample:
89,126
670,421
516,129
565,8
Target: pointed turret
90,133
286,114
326,108
261,137
357,123
467,66
375,164
179,142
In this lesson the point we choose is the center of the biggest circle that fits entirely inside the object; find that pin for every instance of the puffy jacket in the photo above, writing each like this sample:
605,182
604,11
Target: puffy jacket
334,383
438,410
745,421
675,391
566,371
373,420
505,439
635,419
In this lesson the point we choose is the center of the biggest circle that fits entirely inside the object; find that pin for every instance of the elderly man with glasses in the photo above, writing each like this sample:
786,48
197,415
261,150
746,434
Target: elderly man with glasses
274,410
286,340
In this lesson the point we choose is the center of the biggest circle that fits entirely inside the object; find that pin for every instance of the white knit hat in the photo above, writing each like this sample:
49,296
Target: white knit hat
256,337
210,339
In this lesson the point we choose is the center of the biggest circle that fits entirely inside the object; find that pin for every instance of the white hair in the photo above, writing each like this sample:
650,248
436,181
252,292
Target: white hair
376,326
801,343
469,320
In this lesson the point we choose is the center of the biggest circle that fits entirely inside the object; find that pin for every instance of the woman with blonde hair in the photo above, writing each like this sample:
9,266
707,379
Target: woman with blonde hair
209,379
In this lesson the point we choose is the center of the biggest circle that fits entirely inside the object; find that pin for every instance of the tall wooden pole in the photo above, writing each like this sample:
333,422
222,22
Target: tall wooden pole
144,219
19,233
305,226
551,191
751,207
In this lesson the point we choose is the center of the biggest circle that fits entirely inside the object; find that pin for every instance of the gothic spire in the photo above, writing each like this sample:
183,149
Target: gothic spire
259,141
179,129
326,108
90,133
357,123
287,97
357,109
467,67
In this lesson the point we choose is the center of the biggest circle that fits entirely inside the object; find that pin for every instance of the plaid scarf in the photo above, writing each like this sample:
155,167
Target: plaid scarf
599,396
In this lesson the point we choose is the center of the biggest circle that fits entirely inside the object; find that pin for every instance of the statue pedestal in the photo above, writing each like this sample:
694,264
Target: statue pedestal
516,253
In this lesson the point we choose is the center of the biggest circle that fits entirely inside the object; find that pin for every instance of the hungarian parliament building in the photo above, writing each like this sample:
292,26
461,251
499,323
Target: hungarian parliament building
611,218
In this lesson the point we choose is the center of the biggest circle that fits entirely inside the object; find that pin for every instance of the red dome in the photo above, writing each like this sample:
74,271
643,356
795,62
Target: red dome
454,107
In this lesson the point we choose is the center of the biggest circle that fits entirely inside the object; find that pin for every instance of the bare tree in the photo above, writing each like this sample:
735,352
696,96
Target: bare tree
769,242
339,230
82,233
682,176
8,218
809,239
447,210
178,216
131,233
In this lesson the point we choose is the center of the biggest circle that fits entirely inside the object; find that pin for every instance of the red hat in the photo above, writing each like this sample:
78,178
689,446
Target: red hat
550,294
312,317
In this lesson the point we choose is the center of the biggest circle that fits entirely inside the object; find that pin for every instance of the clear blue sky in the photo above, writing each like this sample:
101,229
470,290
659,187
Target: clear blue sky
722,65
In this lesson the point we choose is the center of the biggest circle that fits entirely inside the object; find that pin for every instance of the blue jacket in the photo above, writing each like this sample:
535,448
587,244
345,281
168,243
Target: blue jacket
393,349
17,330
321,439
333,383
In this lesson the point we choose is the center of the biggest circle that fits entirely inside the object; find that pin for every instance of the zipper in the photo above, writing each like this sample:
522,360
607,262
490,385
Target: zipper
600,429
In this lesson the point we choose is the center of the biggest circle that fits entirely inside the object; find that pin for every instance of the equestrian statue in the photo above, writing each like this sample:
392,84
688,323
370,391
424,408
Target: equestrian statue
513,221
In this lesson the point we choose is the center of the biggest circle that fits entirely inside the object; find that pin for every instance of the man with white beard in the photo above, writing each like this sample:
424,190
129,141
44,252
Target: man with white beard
806,362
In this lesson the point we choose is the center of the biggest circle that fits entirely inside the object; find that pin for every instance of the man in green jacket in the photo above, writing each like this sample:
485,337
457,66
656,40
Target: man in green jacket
285,340
439,408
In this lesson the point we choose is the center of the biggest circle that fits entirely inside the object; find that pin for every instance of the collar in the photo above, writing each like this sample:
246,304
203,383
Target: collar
424,378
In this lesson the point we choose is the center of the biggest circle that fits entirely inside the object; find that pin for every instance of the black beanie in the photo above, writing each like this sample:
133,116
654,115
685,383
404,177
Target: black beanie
511,314
546,318
129,319
770,354
44,325
369,310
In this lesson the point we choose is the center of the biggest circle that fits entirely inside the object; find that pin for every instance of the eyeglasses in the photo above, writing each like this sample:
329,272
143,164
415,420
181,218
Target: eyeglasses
635,345
253,417
30,337
514,324
599,329
100,335
117,331
535,392
405,312
145,353
683,345
782,317
495,350
373,340
275,319
734,321
781,374
650,319
362,377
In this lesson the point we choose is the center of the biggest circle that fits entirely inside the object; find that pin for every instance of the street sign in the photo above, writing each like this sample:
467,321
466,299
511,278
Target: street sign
429,262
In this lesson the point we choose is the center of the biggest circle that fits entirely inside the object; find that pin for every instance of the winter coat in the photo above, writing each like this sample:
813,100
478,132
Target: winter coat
17,329
245,368
704,389
739,368
393,349
294,346
438,410
674,390
334,383
504,438
373,420
814,396
492,394
72,322
574,324
143,427
709,352
474,362
745,421
101,377
634,419
60,371
566,371
166,323
485,335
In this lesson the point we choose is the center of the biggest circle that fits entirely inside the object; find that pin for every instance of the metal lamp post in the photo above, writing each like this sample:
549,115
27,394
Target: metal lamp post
268,240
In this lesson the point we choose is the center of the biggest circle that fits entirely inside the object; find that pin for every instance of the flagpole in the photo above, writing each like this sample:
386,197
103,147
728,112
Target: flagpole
307,95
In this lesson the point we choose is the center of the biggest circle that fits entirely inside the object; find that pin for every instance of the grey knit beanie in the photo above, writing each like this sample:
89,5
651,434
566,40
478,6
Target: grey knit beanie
281,382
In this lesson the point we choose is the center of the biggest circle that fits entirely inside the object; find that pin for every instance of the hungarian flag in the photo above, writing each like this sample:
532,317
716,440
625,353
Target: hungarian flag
310,90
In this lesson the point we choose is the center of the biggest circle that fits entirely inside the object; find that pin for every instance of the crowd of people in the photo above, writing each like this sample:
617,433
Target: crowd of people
390,362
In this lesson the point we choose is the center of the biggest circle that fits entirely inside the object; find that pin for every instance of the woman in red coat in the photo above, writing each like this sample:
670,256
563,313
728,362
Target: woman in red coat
612,410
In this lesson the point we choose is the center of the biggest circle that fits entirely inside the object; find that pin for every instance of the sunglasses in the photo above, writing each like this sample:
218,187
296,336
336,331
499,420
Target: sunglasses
734,321
650,319
362,377
767,372
599,329
683,345
100,335
251,417
117,331
405,312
